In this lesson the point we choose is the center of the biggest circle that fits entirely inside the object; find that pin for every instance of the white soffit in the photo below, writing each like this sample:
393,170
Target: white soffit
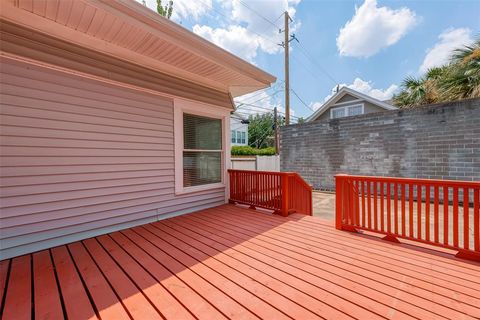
129,31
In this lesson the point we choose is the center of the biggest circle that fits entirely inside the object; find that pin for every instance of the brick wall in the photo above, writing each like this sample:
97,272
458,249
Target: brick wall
439,141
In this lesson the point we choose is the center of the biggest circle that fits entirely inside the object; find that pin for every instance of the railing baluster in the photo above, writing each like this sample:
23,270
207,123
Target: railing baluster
455,216
476,218
419,211
410,209
363,203
375,205
403,209
369,205
389,219
446,226
435,213
466,220
395,206
357,203
427,212
382,217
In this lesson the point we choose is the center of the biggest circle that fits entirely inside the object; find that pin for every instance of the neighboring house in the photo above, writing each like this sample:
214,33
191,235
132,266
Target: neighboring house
346,103
238,130
112,116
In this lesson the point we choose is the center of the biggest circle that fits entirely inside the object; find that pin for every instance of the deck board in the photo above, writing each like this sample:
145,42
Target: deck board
232,262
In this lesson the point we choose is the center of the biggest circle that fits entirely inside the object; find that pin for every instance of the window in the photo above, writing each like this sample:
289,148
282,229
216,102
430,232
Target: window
243,137
202,150
355,110
234,136
347,111
338,113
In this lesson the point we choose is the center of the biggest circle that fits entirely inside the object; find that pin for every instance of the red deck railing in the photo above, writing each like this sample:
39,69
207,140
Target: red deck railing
443,213
283,192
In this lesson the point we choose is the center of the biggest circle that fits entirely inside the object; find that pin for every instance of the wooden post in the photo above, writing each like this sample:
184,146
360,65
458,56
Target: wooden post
287,75
339,200
285,194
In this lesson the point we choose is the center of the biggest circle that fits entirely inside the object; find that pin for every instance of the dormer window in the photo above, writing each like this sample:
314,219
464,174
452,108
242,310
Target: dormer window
346,111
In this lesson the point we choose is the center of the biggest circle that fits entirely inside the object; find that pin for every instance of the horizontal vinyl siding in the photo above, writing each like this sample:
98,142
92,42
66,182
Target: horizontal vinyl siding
81,158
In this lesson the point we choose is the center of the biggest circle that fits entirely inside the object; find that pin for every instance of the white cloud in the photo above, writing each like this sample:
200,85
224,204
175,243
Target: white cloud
262,101
183,9
373,28
440,53
364,87
235,39
250,31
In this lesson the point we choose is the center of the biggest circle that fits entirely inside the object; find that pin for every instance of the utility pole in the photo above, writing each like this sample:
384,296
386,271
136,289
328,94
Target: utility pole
287,73
275,127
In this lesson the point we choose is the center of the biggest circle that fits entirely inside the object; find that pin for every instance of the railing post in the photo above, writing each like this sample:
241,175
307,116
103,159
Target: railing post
285,202
339,199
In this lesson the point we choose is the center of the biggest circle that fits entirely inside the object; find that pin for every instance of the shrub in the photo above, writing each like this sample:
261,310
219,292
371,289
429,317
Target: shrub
249,151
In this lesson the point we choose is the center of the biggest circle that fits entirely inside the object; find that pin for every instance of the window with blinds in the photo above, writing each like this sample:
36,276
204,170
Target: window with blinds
202,150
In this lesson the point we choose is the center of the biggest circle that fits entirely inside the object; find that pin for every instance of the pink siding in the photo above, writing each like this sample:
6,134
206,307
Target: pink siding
80,158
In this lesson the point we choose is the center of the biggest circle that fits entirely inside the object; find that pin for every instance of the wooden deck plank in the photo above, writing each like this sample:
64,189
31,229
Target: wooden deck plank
254,270
346,300
104,298
75,298
386,255
4,267
219,299
18,302
403,302
233,262
133,299
240,292
334,241
444,304
200,307
158,295
46,296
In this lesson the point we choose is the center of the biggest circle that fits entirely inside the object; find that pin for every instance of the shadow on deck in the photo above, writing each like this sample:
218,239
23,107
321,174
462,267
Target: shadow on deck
231,262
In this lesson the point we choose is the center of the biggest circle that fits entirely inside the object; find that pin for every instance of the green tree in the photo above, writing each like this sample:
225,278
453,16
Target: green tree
163,10
261,130
458,79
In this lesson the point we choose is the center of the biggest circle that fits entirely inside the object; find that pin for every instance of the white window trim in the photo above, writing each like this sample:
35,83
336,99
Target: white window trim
346,110
182,106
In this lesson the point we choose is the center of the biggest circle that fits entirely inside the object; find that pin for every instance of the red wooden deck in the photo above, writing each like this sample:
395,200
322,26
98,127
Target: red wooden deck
230,262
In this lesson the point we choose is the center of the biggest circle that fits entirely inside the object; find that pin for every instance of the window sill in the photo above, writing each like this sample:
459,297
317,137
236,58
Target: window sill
189,190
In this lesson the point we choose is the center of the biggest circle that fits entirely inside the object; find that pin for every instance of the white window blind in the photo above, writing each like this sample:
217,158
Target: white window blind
355,110
202,150
338,113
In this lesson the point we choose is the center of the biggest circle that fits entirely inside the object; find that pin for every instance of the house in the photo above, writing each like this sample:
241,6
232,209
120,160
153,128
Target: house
239,130
112,116
347,102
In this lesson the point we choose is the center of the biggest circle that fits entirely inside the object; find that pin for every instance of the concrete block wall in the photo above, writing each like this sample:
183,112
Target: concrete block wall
440,141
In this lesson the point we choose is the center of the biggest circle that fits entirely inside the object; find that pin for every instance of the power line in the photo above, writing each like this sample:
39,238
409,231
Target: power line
301,100
230,20
261,16
303,50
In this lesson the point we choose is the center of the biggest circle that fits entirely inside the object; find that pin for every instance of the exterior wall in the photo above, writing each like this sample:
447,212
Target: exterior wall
347,98
439,141
368,108
81,157
237,126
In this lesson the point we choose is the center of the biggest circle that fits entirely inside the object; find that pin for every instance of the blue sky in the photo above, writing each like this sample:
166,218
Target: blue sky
368,45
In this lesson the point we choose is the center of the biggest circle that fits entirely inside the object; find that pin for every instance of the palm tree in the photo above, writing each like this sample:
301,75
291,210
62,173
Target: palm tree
459,79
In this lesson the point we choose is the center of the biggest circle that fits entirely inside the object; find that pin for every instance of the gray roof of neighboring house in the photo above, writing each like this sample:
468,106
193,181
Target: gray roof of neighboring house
341,93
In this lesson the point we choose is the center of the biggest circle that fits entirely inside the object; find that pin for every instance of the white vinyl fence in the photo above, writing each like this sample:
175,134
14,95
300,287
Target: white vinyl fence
259,163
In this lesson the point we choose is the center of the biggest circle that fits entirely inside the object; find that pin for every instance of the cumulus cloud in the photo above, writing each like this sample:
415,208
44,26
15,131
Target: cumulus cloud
364,87
373,28
183,9
253,31
262,101
235,39
449,40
